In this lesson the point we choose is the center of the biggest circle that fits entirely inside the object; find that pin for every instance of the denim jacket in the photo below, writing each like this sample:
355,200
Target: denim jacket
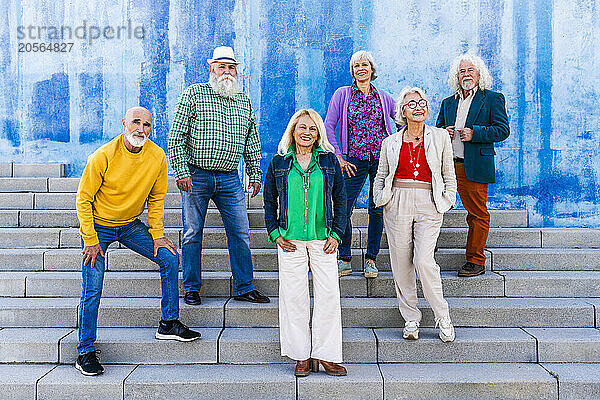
275,192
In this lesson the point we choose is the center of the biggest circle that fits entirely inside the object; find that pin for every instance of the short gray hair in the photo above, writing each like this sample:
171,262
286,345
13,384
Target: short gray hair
485,79
400,118
363,55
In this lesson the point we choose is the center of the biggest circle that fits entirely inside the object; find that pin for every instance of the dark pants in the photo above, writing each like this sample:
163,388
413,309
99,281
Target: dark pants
354,185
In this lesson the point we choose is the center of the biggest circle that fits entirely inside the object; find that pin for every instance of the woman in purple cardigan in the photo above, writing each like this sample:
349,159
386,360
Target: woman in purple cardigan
364,114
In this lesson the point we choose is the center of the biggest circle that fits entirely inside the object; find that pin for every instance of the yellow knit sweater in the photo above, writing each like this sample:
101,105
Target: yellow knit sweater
115,186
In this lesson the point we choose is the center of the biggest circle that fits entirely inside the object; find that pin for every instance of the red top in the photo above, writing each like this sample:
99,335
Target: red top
406,169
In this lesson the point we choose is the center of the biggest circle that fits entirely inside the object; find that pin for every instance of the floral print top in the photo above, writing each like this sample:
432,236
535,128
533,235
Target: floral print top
366,128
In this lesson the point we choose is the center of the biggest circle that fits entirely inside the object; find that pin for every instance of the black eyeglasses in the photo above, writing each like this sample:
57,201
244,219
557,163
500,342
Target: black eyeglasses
413,104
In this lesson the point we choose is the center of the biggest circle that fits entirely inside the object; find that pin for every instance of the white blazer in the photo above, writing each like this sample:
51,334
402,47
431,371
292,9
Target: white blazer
438,152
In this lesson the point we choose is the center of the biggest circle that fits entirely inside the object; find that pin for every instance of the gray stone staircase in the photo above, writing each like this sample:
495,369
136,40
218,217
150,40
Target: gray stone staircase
526,329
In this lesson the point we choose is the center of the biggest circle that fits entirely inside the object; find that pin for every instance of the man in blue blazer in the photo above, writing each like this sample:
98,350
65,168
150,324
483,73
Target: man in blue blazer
475,117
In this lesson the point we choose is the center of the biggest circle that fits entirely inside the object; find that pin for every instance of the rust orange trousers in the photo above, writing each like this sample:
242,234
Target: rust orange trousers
474,198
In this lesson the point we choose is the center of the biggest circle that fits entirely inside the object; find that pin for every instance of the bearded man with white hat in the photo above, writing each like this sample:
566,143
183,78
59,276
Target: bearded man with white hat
213,128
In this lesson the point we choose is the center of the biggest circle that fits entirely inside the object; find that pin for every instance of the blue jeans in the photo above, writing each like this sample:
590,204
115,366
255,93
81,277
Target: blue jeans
354,185
135,236
225,189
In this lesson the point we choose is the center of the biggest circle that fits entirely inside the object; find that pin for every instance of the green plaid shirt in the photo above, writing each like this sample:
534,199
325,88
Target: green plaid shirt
213,133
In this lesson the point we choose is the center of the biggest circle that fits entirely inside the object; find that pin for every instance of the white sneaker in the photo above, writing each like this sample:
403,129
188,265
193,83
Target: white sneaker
446,329
411,330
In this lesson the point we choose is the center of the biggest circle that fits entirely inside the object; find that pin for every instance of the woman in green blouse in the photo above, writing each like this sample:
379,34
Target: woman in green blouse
305,215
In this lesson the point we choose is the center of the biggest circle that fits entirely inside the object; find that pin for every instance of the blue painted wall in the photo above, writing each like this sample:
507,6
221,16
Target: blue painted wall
544,56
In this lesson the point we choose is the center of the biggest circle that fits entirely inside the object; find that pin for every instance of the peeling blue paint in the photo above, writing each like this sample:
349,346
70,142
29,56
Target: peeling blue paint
153,80
92,106
49,111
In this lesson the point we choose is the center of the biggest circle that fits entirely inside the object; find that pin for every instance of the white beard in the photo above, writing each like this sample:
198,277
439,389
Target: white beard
469,86
135,141
225,85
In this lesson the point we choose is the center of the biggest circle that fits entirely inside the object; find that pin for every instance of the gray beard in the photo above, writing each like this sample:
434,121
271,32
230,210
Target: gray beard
468,87
225,85
135,142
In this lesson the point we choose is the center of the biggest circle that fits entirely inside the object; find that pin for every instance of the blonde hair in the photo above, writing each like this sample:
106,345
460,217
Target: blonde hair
288,136
363,55
400,118
485,79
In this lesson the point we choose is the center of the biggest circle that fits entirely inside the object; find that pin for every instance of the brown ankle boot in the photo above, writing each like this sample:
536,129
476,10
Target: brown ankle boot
330,368
302,368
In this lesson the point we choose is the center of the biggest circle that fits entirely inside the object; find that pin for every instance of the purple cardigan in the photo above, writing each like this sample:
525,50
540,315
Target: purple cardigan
338,112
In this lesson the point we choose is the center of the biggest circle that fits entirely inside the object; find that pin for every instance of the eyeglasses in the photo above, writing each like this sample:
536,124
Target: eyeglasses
413,104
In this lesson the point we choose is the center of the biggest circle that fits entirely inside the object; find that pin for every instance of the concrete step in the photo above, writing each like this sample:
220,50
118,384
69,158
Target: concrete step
17,170
356,312
10,185
32,345
470,345
398,381
577,381
114,312
499,237
218,283
465,312
68,258
65,382
276,381
116,284
567,344
551,283
519,284
29,249
456,218
5,170
468,381
9,218
16,201
138,346
549,259
261,346
570,237
228,346
19,382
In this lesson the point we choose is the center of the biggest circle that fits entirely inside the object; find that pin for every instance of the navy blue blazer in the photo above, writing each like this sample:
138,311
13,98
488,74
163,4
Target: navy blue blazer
488,119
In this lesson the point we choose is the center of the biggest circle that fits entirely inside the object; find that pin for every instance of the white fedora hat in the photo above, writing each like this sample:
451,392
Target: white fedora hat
223,54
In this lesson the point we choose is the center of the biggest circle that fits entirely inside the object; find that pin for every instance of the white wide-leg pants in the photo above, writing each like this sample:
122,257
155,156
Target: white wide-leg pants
412,224
297,343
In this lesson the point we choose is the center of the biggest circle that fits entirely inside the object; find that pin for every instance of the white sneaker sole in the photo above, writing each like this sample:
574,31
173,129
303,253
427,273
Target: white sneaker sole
370,274
344,272
80,369
162,336
411,335
446,339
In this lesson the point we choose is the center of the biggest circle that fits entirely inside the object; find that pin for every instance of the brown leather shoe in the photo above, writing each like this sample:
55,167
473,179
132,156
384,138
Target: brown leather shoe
302,368
329,367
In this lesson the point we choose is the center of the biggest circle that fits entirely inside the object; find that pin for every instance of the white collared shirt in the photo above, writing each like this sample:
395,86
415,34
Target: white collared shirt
462,111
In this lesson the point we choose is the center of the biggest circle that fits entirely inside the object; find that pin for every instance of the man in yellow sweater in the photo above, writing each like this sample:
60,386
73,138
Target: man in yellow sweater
117,181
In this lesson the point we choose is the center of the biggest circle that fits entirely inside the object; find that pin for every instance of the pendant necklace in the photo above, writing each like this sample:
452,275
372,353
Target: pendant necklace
414,162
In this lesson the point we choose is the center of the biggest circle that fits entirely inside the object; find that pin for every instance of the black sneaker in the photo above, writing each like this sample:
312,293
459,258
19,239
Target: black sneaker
470,269
192,298
88,364
175,330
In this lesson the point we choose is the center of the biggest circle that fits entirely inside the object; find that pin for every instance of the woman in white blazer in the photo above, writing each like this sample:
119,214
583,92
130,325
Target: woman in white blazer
416,184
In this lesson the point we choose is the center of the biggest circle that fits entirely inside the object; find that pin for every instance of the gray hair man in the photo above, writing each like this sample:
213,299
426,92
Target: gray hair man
475,118
213,128
118,180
